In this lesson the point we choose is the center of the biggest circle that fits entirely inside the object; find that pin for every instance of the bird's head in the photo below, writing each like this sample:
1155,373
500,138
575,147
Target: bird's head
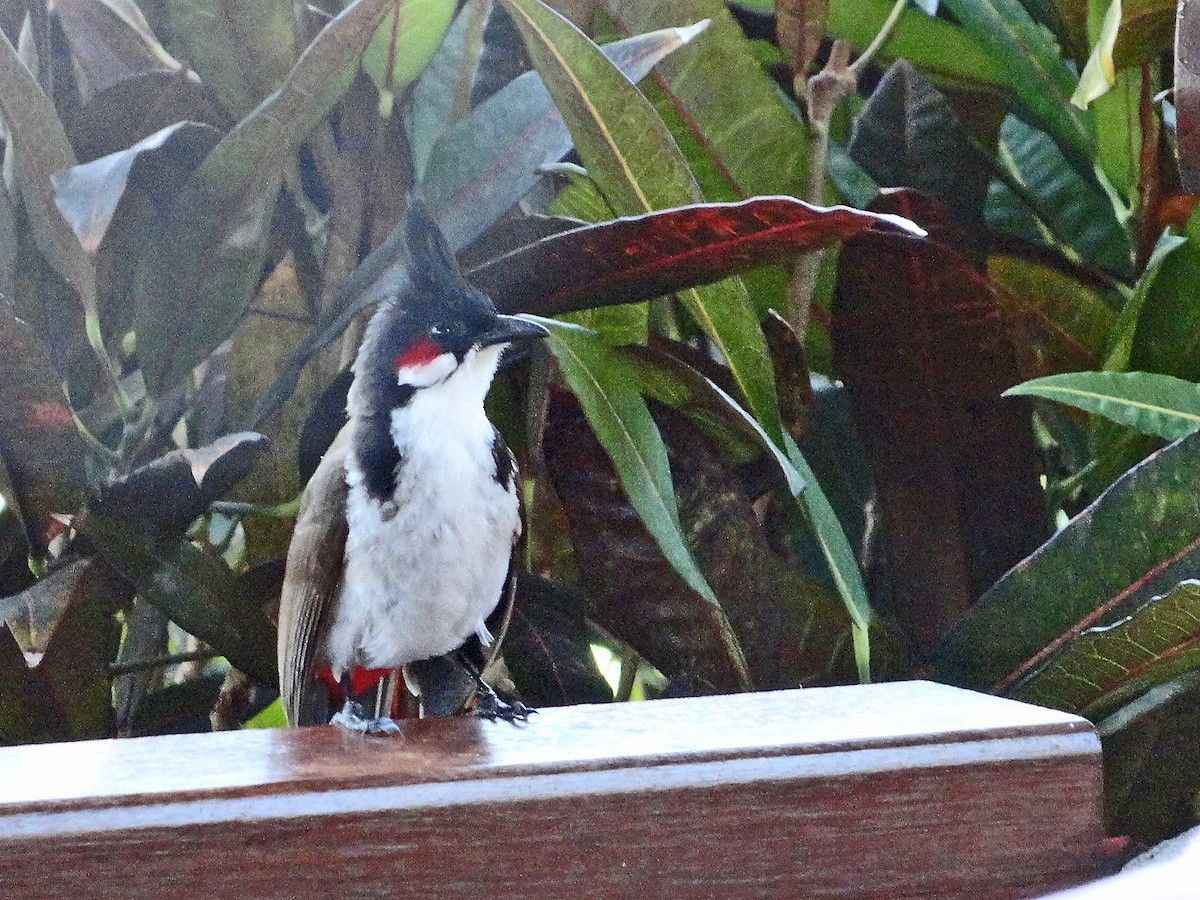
441,324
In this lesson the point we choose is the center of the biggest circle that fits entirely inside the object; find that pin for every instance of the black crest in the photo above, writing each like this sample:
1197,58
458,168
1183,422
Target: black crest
435,301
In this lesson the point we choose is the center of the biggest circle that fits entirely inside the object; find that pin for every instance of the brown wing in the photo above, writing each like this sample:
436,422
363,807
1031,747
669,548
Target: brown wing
310,584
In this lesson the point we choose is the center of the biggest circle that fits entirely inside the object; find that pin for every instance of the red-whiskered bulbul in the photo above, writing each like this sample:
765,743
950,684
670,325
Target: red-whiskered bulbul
403,540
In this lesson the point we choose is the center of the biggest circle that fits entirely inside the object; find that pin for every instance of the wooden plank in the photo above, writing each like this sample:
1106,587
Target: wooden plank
893,790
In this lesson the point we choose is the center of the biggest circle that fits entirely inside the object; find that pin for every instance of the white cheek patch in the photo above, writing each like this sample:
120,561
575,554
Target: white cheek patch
425,374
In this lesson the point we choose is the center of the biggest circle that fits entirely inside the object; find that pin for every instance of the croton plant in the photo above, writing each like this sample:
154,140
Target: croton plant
874,341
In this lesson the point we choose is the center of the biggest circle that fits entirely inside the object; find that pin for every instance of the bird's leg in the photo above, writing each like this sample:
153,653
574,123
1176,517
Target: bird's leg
489,705
353,717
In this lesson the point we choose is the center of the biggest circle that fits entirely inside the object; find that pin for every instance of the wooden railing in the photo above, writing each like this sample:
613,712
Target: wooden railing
893,790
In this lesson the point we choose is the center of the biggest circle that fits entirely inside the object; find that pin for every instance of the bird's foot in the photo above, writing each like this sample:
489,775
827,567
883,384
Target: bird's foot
353,718
490,706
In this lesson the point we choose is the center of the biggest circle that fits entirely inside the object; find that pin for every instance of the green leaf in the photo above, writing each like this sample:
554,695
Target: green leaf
488,160
1124,331
1100,74
1167,338
632,158
195,589
23,705
41,146
1033,67
723,99
403,45
441,94
623,425
830,536
1115,97
1093,572
1059,321
933,45
1070,209
1154,404
1152,762
194,282
1105,667
689,390
241,49
270,716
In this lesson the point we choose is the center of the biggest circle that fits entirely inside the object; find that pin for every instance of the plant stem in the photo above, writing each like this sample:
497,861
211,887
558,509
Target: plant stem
829,87
284,510
170,659
91,326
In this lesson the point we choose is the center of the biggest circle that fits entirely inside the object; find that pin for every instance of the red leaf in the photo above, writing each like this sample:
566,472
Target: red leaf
641,257
919,342
40,447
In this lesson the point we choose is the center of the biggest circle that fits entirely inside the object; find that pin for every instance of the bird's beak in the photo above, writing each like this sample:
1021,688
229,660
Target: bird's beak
511,330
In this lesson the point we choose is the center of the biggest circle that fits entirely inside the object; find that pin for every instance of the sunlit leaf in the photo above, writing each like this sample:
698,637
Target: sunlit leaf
636,164
1100,74
623,424
404,43
1104,667
1160,405
1094,572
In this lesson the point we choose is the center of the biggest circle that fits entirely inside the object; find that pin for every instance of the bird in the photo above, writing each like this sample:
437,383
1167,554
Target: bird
405,531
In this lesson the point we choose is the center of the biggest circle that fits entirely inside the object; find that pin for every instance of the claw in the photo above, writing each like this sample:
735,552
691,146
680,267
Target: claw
352,718
488,705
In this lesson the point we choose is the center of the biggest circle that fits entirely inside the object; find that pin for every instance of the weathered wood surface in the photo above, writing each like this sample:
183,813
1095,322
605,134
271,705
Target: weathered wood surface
893,790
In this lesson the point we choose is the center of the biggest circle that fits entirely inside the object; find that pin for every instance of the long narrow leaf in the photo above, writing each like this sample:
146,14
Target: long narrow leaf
485,162
829,533
641,257
623,424
1092,573
1033,64
634,161
1103,667
1161,405
38,138
192,287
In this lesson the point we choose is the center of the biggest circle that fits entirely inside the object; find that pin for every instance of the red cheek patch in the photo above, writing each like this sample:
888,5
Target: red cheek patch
418,353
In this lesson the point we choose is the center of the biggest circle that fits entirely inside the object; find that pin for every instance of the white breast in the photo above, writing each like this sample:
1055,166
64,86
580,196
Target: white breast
419,583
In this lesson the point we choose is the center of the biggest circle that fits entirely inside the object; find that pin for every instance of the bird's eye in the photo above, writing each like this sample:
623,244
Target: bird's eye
437,331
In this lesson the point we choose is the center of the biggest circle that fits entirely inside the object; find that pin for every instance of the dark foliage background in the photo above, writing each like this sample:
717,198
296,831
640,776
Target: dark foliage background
766,446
